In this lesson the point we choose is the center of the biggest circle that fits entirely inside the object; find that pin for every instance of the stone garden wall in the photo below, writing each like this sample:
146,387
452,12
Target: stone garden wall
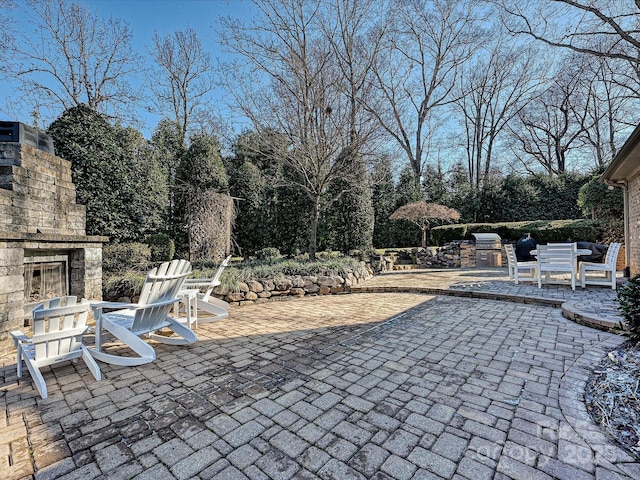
285,288
298,286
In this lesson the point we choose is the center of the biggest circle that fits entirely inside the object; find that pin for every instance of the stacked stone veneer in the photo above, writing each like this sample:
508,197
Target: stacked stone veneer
633,192
38,213
297,286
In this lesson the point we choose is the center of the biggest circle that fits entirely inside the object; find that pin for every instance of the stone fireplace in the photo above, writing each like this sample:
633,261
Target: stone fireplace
44,249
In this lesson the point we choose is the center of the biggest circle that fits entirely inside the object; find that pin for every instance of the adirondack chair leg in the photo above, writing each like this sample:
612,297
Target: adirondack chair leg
186,335
145,351
19,362
37,377
98,334
91,363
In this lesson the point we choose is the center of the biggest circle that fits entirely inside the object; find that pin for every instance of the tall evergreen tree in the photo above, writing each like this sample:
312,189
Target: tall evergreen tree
384,203
105,162
200,170
349,220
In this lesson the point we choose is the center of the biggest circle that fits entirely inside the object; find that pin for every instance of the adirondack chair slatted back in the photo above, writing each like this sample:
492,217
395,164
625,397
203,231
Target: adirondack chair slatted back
216,278
56,333
162,283
612,255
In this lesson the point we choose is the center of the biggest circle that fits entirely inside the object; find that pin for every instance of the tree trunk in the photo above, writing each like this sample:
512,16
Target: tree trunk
315,216
424,238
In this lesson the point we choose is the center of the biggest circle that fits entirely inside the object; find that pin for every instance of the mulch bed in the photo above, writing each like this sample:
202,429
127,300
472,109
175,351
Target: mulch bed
613,396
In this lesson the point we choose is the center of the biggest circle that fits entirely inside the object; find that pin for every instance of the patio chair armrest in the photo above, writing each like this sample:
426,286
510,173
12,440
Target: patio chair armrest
18,336
201,282
112,305
132,306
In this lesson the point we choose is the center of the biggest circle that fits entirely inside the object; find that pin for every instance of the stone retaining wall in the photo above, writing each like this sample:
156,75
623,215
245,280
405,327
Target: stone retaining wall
264,290
284,288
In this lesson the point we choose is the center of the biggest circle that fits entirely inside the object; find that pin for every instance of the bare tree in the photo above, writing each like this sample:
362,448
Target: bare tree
600,28
7,33
182,77
552,124
354,29
492,91
296,81
425,46
607,110
74,58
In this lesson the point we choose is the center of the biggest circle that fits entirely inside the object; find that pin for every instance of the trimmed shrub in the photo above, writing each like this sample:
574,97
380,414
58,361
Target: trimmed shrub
120,257
629,298
268,253
162,248
543,231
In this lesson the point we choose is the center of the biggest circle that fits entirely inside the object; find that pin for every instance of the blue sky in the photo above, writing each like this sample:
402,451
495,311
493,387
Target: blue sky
144,18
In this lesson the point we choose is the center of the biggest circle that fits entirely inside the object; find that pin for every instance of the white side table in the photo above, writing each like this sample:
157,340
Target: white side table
189,299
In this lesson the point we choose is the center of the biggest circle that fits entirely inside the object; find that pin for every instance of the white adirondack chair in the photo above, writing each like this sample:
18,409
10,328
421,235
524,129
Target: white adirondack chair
151,313
608,267
519,270
57,337
205,301
557,258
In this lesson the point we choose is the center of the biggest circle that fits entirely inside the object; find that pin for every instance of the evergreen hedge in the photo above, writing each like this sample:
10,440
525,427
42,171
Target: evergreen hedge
543,231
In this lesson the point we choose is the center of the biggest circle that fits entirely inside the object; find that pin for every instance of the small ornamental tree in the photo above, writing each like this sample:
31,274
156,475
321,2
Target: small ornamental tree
423,214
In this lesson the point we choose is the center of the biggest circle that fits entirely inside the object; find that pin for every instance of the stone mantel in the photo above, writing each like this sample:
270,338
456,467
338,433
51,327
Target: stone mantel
36,238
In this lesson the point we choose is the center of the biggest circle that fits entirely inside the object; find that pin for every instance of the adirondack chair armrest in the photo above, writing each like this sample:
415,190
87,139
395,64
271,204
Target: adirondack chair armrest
113,305
201,282
131,306
18,336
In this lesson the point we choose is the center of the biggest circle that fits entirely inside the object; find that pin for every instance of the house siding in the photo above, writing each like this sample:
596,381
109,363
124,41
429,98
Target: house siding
633,191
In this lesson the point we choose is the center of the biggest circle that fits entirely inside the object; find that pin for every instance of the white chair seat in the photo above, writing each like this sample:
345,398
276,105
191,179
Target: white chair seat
57,337
519,270
557,258
608,268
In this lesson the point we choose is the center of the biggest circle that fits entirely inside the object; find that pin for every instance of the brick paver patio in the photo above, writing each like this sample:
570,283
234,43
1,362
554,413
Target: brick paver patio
368,385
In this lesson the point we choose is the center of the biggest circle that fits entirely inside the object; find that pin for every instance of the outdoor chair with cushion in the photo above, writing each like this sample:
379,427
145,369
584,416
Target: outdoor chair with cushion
608,268
152,312
58,327
519,270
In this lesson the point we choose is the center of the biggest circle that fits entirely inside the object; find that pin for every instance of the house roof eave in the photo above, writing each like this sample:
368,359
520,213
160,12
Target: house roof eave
626,164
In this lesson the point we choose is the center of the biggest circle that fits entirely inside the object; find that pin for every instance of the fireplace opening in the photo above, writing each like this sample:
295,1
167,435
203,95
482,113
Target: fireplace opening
46,275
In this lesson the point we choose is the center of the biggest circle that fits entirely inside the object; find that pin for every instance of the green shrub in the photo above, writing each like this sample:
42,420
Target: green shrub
120,257
268,253
161,246
543,231
129,283
629,298
123,284
328,255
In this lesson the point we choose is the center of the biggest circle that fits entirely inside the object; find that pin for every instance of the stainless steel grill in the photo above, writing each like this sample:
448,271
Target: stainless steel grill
488,250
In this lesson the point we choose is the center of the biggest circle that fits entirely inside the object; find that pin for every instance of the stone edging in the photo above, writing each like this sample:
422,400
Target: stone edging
574,312
581,427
